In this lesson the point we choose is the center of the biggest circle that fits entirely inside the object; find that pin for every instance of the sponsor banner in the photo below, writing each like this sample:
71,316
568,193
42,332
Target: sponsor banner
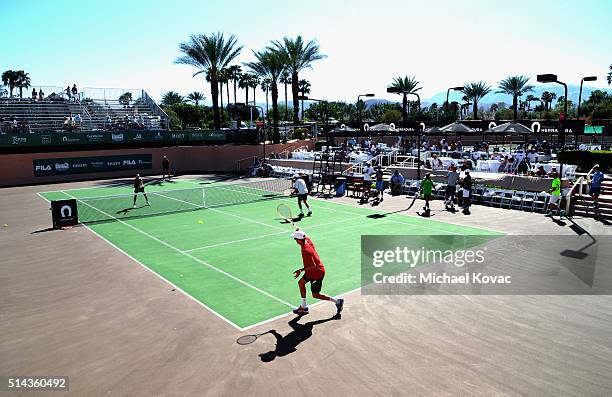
108,137
486,264
83,165
541,127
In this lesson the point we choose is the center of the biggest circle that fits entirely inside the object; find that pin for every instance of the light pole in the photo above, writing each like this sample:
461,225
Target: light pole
395,90
552,78
588,78
326,104
447,93
359,96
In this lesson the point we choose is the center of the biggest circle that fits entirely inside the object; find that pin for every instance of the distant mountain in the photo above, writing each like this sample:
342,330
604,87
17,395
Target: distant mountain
572,92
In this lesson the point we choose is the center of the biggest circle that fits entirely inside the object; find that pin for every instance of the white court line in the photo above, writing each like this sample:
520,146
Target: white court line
265,235
188,255
154,273
223,212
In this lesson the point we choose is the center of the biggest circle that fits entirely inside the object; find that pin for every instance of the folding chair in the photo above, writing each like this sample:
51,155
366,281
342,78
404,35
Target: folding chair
506,199
528,199
517,200
478,194
540,203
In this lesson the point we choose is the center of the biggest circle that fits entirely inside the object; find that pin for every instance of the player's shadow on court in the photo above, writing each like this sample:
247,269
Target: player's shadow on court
288,344
126,211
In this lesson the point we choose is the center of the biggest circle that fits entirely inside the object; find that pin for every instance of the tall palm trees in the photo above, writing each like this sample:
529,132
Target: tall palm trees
285,79
609,78
515,86
304,89
270,63
547,98
210,53
406,85
234,72
254,82
248,80
11,79
298,56
196,97
475,92
266,85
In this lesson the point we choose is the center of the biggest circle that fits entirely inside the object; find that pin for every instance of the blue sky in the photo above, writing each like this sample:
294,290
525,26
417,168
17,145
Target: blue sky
133,43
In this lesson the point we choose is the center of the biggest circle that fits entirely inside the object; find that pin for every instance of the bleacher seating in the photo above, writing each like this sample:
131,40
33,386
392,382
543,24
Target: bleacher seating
95,114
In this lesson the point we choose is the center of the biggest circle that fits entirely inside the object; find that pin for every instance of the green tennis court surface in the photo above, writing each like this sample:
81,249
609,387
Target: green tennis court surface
237,260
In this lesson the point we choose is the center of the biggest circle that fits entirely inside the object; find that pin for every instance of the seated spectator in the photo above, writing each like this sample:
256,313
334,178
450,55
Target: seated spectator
553,172
540,172
436,163
77,120
503,166
34,94
397,181
459,146
41,95
532,156
522,168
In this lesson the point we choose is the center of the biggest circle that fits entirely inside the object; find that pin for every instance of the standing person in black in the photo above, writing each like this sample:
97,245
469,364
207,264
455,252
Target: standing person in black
467,192
380,183
74,92
165,168
139,188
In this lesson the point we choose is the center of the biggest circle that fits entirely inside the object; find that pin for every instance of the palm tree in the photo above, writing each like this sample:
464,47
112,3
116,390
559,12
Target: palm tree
223,79
304,89
254,82
125,99
210,53
196,97
546,98
23,81
407,85
610,76
245,84
298,56
475,92
285,79
515,86
10,78
531,98
171,98
265,87
234,73
465,107
270,63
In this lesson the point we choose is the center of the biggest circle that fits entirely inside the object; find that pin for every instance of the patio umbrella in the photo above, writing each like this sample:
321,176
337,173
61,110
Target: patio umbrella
456,127
511,128
341,130
382,127
433,130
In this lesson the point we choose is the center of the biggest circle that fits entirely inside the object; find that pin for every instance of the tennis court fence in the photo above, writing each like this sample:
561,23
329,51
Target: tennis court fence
107,208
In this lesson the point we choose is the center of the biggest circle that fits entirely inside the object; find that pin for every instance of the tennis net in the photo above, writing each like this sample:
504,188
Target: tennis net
106,208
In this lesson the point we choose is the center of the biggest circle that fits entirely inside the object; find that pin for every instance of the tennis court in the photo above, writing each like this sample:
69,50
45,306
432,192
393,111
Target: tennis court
224,245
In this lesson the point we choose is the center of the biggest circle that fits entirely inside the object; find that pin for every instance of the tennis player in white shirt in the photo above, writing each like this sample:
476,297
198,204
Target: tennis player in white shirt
299,187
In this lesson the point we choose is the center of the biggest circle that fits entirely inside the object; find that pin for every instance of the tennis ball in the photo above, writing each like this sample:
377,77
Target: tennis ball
6,225
200,222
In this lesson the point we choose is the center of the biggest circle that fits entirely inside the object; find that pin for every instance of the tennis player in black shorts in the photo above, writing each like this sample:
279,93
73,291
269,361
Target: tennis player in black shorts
139,188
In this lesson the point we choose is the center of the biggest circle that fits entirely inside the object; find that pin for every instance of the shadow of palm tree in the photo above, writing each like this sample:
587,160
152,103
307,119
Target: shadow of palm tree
288,344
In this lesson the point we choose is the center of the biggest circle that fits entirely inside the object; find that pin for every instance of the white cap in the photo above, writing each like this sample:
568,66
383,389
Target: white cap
295,176
299,234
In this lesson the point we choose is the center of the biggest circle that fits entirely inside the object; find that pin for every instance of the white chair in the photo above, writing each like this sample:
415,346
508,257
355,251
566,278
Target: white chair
506,199
528,199
478,194
540,203
517,200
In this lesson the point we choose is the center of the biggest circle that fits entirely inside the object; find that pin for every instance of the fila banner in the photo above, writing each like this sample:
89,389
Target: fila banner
85,165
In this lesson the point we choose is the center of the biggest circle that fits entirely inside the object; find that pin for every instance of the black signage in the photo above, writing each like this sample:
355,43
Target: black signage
84,165
64,213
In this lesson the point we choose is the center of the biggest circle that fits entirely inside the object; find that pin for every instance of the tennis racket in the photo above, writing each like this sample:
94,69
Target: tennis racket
248,339
284,211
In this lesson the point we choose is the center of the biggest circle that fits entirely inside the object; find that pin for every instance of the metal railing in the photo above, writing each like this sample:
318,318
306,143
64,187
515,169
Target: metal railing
240,167
579,185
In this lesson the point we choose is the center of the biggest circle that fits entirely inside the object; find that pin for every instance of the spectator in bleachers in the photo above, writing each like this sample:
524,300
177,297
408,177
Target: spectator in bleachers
553,172
459,146
397,181
532,156
68,93
34,94
541,172
41,95
75,92
77,121
503,166
108,123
